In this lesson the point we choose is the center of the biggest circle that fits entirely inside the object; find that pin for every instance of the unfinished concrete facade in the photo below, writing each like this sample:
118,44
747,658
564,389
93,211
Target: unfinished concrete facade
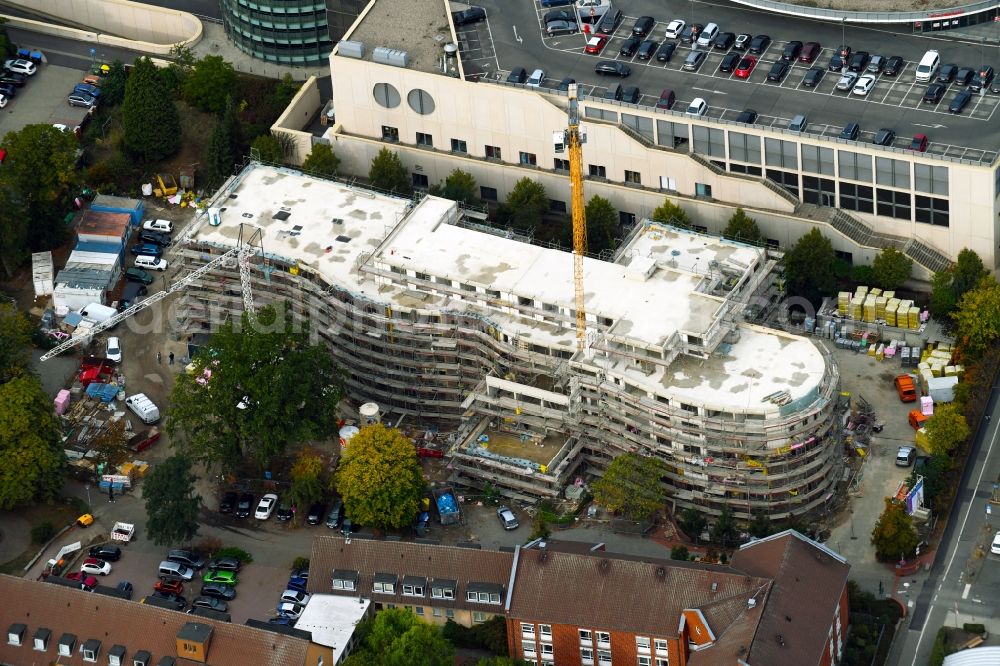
446,322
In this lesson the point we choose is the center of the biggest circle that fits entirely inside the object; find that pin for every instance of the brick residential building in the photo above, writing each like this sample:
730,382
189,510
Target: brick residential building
781,600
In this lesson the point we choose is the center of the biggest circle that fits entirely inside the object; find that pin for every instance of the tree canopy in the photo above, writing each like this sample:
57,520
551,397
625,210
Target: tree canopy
223,146
269,388
632,487
525,206
150,121
693,523
113,85
388,173
322,161
308,478
891,268
948,286
171,503
379,478
946,428
110,446
15,342
30,444
397,637
809,267
670,213
978,318
724,530
894,535
742,227
602,224
210,81
267,148
459,186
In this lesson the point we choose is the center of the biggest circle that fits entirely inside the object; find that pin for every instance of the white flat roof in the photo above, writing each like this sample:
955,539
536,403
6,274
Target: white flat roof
332,620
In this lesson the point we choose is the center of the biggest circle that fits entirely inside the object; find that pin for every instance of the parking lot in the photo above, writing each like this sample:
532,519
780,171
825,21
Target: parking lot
895,102
43,100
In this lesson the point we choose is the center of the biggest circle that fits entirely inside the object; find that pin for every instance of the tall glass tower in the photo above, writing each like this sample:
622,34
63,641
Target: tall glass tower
292,32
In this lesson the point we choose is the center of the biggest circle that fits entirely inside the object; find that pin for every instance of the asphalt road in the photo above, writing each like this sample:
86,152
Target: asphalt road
204,8
962,585
513,37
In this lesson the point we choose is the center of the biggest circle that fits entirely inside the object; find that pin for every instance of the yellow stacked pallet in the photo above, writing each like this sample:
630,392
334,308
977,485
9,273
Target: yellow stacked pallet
914,318
890,311
856,304
141,468
880,352
925,377
889,294
868,313
959,370
880,302
871,350
942,354
949,371
843,303
875,291
861,292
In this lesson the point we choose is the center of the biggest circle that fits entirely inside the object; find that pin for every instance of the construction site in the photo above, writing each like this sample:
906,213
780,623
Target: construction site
449,325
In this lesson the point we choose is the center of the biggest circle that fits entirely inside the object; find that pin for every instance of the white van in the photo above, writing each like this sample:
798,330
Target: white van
928,66
143,408
151,262
708,35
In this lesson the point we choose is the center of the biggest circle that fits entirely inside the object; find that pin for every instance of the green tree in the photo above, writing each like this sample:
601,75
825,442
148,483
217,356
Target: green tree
171,503
946,428
937,483
948,286
388,173
30,444
809,267
680,553
321,161
503,661
525,206
240,413
891,268
725,530
308,478
602,223
693,523
150,122
943,300
113,85
397,637
894,535
267,148
761,526
742,227
670,213
15,342
38,175
632,486
459,186
110,447
14,227
379,478
211,81
223,146
977,318
7,47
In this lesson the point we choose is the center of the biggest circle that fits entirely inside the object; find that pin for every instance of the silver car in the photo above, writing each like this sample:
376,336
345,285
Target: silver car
81,99
560,28
507,518
694,60
847,81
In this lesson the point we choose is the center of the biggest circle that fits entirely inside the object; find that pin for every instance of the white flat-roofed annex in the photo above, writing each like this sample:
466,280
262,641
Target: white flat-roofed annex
418,238
332,620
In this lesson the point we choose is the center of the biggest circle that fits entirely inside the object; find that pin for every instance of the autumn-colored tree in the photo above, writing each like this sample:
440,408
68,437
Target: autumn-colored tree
978,318
110,447
397,637
631,486
894,535
379,478
308,478
670,213
946,429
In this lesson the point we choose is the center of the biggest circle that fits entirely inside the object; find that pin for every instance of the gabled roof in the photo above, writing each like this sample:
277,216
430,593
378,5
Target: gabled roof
133,625
809,580
371,559
643,597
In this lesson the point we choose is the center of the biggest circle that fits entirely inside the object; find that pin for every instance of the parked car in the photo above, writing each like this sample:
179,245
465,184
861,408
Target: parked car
708,35
86,581
507,518
840,58
747,116
225,564
729,62
138,275
759,44
86,88
667,99
285,511
982,79
959,102
554,28
647,49
629,46
745,67
113,349
919,143
95,567
693,60
20,66
643,26
13,78
210,603
187,557
674,28
689,35
229,498
792,50
290,610
813,76
155,237
864,85
517,75
125,588
468,16
612,68
810,51
317,512
219,591
963,76
336,512
798,123
850,132
298,583
227,577
995,546
876,64
244,506
266,506
947,73
610,21
905,456
555,3
177,601
934,93
631,95
724,41
666,51
107,553
893,66
884,137
169,586
596,44
81,99
847,81
742,41
615,93
295,597
147,248
8,90
170,570
697,108
858,61
778,71
158,225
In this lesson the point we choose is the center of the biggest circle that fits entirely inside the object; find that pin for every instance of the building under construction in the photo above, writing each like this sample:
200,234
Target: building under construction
448,323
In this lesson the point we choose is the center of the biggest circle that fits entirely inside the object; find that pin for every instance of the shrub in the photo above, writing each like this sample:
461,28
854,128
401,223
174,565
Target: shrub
300,563
232,551
680,553
978,629
42,532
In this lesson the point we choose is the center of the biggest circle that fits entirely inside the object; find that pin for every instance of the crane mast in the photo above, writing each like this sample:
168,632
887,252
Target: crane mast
245,250
574,139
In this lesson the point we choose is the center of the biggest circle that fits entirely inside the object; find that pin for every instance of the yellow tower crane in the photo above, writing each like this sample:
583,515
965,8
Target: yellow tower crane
572,139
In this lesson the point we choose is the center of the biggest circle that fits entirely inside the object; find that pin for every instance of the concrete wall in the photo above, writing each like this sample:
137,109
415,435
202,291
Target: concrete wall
300,112
153,30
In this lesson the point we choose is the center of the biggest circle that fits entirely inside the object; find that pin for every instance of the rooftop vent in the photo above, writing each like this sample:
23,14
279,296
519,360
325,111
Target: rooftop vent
751,602
343,239
780,639
233,196
247,215
387,56
337,220
351,49
451,50
715,586
605,565
661,572
281,215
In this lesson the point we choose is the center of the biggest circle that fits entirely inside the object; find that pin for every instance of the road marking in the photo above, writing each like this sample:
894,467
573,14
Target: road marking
516,36
968,510
930,126
965,592
714,92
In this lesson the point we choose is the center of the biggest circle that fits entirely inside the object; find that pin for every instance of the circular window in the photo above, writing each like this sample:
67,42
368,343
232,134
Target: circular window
385,95
420,101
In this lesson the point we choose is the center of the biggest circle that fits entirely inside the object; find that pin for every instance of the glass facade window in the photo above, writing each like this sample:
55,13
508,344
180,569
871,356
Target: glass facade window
749,170
601,114
894,173
744,148
857,197
640,124
386,95
709,141
933,179
819,191
893,204
780,153
786,179
671,135
855,166
292,32
598,171
818,160
420,101
929,210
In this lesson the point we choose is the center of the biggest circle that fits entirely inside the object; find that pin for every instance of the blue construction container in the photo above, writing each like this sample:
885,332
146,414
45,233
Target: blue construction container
105,203
102,248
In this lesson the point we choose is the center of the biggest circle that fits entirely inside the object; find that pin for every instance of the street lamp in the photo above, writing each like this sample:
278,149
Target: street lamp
843,34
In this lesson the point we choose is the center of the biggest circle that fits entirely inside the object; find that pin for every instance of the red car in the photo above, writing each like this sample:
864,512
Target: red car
88,581
919,143
596,44
169,587
745,67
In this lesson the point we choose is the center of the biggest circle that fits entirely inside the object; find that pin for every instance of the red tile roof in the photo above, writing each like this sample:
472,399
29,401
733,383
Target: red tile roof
135,626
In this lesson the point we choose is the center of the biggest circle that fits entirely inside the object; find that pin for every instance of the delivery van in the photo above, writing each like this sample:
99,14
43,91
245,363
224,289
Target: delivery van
144,408
905,388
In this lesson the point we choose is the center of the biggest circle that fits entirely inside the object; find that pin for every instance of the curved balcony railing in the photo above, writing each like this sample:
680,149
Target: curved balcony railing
870,17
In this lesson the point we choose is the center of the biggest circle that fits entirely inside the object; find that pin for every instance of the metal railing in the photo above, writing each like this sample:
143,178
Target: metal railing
869,17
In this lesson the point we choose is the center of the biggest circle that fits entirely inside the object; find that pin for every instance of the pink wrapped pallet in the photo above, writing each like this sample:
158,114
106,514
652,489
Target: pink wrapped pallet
62,401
